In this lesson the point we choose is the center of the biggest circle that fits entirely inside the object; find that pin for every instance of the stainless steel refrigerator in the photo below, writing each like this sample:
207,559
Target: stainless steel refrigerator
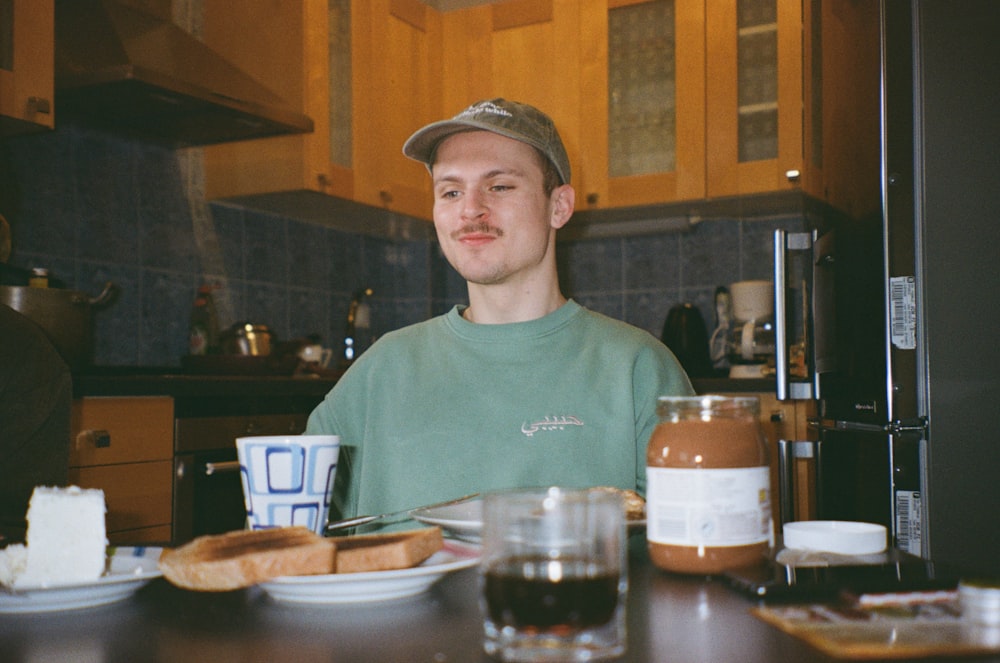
892,321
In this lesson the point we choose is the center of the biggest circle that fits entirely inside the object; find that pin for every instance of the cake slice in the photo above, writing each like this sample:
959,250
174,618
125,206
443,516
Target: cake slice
66,541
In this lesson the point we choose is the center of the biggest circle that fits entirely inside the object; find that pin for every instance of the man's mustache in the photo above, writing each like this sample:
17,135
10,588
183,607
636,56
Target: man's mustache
481,228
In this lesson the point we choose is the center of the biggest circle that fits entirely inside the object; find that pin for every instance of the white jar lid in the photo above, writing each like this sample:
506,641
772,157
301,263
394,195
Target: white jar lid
836,536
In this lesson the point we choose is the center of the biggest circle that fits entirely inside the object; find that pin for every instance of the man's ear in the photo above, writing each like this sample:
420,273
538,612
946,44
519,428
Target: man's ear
563,200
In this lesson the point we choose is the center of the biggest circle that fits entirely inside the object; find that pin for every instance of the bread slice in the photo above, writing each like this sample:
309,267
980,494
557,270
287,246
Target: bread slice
383,552
234,560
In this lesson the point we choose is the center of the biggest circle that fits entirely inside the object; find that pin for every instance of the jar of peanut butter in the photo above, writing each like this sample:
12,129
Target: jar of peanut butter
708,503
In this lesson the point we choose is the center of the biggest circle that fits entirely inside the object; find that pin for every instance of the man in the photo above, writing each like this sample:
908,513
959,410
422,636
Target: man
522,387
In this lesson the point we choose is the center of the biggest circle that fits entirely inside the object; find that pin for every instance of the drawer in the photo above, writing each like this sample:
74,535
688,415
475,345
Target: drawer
121,430
138,495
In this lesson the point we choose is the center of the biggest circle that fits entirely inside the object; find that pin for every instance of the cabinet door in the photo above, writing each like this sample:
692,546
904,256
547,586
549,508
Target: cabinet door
27,53
124,446
644,103
754,93
524,50
283,45
396,91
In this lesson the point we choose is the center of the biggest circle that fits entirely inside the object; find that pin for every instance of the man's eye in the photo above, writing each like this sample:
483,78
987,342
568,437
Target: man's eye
501,187
449,194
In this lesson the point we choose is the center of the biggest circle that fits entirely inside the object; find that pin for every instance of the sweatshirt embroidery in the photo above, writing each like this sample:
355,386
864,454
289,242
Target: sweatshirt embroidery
549,423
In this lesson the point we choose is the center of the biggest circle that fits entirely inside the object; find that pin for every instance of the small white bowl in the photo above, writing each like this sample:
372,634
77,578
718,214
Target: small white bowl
835,536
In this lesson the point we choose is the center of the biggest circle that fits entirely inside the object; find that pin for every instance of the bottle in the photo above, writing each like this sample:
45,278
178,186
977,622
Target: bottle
708,485
204,329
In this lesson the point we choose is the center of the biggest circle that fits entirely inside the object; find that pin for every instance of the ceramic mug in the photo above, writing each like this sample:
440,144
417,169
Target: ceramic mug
288,479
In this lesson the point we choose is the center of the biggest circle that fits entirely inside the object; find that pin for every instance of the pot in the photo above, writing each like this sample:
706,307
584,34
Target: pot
66,317
247,339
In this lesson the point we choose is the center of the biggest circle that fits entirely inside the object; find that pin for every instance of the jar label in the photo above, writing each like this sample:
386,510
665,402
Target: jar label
708,507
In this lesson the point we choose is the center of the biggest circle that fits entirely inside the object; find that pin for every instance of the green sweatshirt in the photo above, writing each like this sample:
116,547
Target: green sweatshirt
446,407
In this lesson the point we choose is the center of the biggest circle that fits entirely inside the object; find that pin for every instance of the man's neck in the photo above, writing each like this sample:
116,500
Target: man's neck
489,307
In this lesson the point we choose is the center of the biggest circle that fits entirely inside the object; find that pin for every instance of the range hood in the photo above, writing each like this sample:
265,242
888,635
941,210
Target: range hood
124,70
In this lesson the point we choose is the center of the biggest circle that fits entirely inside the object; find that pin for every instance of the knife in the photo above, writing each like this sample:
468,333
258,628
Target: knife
364,520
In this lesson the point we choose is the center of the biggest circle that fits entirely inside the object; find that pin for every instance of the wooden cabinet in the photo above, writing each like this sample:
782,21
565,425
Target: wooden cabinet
792,100
658,101
387,48
27,53
125,446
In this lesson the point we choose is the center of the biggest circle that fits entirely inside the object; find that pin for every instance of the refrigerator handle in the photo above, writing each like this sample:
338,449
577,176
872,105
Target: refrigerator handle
784,388
780,324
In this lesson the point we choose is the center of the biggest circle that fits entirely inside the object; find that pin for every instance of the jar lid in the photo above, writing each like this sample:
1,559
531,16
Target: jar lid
843,537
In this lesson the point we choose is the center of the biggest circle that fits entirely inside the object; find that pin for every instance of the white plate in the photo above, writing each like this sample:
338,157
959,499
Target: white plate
130,569
373,585
465,520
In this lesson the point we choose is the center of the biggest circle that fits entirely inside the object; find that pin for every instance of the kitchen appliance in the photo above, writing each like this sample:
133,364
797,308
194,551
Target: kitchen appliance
880,309
123,69
685,334
66,316
750,341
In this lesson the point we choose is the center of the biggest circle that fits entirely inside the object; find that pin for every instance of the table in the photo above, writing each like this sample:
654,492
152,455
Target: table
671,618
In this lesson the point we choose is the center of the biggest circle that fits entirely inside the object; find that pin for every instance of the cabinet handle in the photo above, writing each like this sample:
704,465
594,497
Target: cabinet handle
99,439
777,416
39,105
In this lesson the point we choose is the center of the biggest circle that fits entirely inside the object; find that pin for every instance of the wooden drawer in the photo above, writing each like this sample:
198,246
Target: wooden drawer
122,430
138,495
125,447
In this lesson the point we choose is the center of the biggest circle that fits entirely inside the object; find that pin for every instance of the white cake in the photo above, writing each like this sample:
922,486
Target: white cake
66,540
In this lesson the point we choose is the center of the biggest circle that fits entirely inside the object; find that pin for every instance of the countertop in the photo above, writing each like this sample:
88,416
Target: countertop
671,618
173,381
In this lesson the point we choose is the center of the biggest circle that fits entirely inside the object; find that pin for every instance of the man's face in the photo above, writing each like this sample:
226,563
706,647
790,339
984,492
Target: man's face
493,219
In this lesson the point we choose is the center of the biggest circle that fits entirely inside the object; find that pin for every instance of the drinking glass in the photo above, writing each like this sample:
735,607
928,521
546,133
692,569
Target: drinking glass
554,574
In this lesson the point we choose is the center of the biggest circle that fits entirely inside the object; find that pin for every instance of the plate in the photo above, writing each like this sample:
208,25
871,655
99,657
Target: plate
129,569
464,520
372,585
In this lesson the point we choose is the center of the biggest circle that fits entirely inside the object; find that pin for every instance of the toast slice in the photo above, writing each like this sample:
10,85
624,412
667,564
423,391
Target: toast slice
383,552
223,562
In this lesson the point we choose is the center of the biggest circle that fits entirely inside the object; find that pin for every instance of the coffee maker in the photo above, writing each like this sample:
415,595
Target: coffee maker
750,344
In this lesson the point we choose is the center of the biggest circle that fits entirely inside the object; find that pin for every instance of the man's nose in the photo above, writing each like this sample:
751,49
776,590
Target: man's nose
473,204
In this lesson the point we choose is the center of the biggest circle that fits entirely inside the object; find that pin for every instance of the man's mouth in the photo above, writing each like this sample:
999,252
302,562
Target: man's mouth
477,233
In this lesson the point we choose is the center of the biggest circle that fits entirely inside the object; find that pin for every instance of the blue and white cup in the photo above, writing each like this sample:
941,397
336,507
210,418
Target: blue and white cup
288,479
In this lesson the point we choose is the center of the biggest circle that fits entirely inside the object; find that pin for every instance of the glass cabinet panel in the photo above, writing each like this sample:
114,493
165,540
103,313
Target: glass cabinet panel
341,129
757,79
641,89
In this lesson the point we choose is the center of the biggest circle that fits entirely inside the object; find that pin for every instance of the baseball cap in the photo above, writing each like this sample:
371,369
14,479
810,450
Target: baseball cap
508,118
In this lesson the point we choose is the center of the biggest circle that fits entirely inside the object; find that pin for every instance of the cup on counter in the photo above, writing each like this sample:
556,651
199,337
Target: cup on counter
554,575
316,354
287,479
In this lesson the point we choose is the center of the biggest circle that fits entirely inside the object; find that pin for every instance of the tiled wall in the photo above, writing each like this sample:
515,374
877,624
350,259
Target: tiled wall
94,208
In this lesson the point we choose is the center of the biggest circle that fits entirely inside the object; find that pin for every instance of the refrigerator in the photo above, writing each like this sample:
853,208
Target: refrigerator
890,322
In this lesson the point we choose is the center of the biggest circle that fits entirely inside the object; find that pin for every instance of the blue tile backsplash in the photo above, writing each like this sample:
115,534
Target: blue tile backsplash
95,208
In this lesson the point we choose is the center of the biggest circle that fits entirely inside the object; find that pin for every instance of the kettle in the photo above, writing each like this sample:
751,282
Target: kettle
684,332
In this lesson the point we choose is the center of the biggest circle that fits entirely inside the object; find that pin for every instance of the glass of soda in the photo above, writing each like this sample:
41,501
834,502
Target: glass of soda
554,574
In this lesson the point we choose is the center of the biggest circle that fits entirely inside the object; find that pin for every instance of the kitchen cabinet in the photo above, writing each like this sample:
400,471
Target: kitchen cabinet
644,103
792,100
27,54
364,71
658,101
125,446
